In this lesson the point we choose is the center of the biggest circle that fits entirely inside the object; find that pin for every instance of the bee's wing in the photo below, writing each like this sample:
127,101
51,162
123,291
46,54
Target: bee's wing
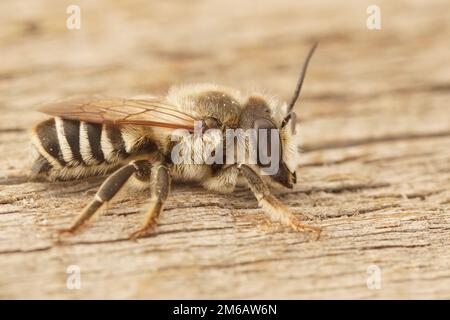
145,112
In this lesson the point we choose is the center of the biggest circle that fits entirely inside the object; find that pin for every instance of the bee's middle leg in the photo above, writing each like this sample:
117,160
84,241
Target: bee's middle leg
109,191
160,187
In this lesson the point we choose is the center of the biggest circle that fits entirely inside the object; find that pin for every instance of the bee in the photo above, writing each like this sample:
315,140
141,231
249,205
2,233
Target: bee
132,140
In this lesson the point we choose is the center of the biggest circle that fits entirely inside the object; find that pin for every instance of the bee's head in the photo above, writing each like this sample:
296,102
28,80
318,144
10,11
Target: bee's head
272,148
277,152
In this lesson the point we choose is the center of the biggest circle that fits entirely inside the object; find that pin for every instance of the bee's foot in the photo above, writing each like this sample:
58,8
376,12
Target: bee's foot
141,233
297,226
65,232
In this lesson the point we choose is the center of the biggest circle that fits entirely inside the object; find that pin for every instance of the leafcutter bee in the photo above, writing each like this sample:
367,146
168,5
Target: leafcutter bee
134,140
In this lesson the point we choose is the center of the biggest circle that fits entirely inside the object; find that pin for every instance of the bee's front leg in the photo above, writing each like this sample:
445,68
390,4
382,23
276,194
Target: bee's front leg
276,210
160,187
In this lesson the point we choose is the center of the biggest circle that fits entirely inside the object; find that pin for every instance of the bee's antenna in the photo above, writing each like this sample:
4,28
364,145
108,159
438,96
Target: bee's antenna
300,80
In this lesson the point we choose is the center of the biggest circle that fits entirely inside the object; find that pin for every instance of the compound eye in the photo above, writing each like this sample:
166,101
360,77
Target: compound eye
264,128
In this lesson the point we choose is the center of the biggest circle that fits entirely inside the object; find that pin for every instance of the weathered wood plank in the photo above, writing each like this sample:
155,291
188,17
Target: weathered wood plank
375,163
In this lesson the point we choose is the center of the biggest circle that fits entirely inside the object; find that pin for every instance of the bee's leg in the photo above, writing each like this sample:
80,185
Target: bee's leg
276,210
41,168
160,186
109,191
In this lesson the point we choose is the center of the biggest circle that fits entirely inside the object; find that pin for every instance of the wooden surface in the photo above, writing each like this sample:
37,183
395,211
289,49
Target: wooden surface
375,122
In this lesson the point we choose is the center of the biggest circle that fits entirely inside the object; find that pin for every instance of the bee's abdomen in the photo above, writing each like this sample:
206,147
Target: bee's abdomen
70,143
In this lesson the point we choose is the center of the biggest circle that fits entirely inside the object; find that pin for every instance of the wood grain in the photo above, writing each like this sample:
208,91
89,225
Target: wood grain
375,173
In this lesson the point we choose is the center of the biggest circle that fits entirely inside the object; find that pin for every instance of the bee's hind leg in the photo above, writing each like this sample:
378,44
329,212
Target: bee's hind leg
276,210
109,191
40,170
160,187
